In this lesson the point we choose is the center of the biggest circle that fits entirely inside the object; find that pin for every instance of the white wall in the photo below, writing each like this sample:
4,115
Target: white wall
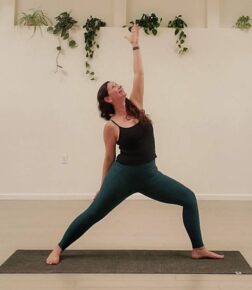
200,104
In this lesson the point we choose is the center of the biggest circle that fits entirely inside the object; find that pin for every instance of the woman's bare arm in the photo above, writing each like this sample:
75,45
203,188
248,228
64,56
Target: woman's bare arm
110,148
138,82
109,137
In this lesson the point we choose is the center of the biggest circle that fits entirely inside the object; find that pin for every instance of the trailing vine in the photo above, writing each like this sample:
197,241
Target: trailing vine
243,23
178,23
149,23
62,29
92,26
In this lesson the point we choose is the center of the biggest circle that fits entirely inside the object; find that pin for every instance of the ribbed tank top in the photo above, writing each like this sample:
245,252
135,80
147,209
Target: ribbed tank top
136,144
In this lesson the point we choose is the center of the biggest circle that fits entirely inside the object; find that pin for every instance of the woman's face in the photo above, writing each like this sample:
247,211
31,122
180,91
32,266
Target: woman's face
115,91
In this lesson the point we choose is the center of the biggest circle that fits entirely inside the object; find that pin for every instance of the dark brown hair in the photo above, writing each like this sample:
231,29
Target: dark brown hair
107,110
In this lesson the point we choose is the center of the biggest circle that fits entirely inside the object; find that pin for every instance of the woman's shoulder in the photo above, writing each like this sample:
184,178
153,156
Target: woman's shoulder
108,124
109,130
111,127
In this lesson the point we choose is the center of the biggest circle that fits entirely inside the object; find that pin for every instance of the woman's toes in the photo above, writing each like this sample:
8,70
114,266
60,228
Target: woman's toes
53,259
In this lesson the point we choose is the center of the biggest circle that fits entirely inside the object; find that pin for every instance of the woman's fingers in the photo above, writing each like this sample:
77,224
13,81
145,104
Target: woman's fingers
135,32
133,37
135,28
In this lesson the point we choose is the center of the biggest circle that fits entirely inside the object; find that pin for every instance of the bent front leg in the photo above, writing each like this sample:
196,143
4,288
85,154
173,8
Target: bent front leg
166,189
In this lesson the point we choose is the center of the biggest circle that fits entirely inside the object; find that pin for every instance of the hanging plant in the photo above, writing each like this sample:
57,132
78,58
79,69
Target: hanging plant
243,23
62,29
149,23
178,23
92,25
36,19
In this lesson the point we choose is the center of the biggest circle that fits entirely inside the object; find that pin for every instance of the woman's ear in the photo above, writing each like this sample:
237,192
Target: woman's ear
108,99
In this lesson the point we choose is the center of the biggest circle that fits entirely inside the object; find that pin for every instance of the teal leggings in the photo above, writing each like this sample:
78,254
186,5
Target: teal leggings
124,180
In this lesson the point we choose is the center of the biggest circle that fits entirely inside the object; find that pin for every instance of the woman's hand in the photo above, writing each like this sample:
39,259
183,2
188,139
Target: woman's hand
134,35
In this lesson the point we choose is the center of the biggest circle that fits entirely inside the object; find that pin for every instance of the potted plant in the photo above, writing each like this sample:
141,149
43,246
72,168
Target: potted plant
36,19
62,29
243,23
92,26
149,23
179,24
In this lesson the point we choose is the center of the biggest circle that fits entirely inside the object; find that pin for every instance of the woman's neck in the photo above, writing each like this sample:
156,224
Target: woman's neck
120,110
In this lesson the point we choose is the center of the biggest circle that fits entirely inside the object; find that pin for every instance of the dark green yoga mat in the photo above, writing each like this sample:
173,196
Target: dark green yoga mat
125,261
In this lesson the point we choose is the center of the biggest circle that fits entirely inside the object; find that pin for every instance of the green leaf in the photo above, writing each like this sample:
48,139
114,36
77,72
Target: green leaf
146,31
177,31
181,35
72,43
66,36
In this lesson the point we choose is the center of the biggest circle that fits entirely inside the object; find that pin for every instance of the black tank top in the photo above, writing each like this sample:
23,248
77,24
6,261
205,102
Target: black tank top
136,144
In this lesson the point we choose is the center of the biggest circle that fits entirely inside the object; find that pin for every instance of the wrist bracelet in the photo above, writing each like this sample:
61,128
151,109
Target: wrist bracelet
136,47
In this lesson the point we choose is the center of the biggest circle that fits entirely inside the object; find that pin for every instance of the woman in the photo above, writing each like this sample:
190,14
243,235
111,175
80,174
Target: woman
134,169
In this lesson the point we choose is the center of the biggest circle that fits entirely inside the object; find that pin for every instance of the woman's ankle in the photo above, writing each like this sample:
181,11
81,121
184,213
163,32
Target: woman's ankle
58,249
200,248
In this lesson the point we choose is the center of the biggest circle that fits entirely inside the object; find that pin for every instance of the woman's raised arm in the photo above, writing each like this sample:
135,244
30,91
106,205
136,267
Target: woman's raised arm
136,95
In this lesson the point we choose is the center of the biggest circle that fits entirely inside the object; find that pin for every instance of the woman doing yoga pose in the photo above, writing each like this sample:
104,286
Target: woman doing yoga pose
134,169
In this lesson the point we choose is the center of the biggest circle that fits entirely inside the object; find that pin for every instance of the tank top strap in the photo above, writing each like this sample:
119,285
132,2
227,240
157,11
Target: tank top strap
115,123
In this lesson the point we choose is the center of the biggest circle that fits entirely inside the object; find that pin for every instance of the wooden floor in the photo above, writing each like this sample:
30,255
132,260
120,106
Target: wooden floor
134,224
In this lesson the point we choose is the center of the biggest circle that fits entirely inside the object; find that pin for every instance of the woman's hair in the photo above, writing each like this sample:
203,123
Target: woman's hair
107,109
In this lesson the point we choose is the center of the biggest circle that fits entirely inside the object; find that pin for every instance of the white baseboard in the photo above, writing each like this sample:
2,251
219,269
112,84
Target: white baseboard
90,196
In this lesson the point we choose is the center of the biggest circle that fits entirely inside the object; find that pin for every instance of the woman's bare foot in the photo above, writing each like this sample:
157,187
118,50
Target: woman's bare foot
54,257
199,253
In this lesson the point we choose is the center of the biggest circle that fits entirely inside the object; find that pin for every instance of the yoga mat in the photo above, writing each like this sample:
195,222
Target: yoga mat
125,261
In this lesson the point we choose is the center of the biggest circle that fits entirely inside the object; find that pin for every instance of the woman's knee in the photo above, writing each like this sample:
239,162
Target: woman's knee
189,198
